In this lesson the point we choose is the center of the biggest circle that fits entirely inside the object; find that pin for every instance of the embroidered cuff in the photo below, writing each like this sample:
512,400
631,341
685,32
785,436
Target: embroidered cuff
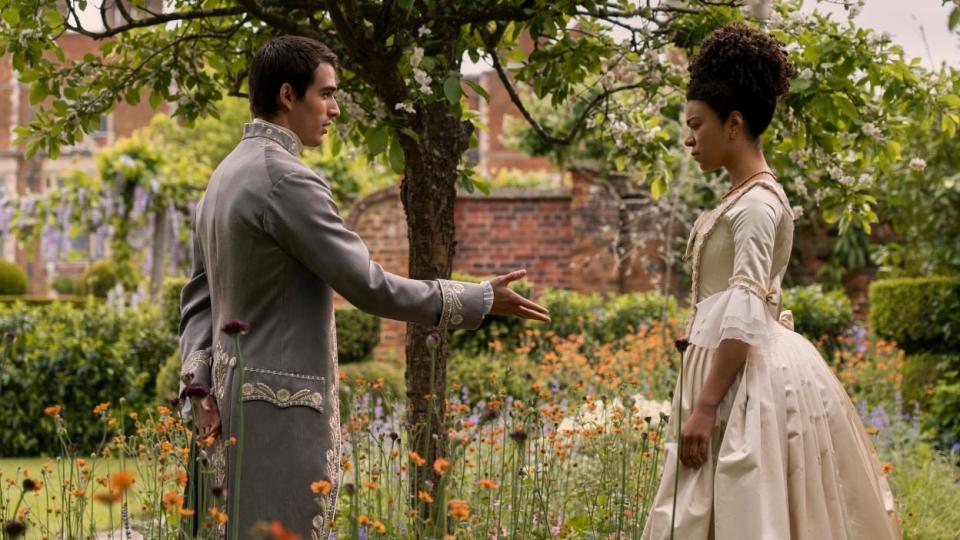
452,314
196,368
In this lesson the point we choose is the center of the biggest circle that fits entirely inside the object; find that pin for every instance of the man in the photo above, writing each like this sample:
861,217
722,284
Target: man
271,249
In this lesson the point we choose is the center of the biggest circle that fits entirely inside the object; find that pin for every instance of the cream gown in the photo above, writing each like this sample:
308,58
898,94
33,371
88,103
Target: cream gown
789,456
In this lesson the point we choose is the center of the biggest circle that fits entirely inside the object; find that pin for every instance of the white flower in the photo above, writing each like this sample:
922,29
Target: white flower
760,9
871,130
806,73
847,180
865,180
416,56
801,188
421,77
918,164
797,211
775,19
835,172
423,31
404,106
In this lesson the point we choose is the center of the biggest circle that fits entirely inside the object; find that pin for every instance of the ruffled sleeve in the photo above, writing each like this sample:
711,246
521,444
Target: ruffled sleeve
743,310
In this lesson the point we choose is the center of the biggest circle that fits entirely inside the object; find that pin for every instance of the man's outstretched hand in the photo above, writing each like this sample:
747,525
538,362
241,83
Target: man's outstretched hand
508,302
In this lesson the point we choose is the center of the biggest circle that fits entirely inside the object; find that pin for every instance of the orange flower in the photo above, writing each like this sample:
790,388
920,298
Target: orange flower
185,512
458,509
162,410
887,467
122,480
362,519
487,483
217,514
182,478
278,532
101,408
425,497
166,447
415,457
380,527
107,497
371,485
320,487
52,410
172,499
78,493
441,465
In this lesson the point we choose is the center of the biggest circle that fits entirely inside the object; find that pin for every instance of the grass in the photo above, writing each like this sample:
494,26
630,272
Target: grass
44,503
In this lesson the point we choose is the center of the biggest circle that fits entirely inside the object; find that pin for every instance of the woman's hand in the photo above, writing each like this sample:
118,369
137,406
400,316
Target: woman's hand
696,434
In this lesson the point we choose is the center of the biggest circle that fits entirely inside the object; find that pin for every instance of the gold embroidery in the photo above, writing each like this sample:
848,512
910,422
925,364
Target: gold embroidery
282,397
452,313
193,362
323,522
221,363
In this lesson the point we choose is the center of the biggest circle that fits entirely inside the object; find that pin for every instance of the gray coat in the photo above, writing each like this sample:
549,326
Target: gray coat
270,249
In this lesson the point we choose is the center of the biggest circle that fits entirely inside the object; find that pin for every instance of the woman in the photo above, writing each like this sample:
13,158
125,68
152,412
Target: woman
771,446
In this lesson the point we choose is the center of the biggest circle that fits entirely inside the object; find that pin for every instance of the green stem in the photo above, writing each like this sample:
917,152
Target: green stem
235,495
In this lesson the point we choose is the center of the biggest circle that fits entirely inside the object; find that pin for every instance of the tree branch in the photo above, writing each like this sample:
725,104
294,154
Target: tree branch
162,18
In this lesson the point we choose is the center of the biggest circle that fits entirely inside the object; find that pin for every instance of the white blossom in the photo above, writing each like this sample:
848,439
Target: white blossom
847,180
806,73
865,181
801,188
918,164
423,31
404,106
835,172
760,9
797,211
416,56
871,130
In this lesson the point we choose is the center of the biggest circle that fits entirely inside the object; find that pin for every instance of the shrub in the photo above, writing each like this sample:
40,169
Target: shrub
921,373
102,276
167,386
13,280
357,335
822,316
65,285
76,357
170,301
920,314
487,375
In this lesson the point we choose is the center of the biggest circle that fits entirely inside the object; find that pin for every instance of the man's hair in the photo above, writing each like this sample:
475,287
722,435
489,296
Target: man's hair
741,69
285,59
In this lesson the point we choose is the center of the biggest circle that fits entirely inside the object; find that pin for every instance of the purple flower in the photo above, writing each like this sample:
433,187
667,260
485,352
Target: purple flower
195,390
955,449
236,327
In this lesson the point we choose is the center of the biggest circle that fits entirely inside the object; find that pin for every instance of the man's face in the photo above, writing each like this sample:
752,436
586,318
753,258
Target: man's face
310,117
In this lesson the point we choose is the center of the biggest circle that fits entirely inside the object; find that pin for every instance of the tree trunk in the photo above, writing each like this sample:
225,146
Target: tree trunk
428,193
158,257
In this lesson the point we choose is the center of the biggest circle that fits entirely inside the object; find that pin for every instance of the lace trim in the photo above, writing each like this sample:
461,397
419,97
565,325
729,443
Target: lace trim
452,303
193,362
769,295
322,523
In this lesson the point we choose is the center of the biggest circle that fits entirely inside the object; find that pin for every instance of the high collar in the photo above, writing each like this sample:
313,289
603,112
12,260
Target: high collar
278,134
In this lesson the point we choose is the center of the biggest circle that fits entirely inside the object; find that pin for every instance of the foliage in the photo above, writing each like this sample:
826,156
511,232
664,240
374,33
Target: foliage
820,316
75,356
921,373
167,386
102,276
918,313
943,418
65,285
357,335
169,302
351,174
13,280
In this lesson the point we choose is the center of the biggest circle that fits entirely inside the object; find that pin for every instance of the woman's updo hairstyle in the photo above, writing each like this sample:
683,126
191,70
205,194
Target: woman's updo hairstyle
741,69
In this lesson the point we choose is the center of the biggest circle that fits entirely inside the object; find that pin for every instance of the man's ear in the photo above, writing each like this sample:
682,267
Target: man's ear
285,97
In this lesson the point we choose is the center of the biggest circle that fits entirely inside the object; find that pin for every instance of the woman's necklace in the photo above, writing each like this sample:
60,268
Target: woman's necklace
749,178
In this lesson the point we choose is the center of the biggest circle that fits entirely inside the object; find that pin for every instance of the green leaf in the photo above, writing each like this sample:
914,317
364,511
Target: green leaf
950,100
954,18
155,99
451,88
893,150
397,162
376,138
658,187
11,16
478,89
38,92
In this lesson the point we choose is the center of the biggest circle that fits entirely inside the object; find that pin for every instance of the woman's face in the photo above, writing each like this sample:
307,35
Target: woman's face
709,139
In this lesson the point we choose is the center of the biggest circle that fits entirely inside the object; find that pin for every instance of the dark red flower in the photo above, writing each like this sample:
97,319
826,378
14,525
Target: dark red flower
682,344
14,529
195,390
236,327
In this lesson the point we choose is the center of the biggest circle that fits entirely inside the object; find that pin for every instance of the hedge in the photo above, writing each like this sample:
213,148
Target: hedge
920,314
13,280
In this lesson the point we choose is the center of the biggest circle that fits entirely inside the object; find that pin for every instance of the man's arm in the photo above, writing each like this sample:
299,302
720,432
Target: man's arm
301,216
